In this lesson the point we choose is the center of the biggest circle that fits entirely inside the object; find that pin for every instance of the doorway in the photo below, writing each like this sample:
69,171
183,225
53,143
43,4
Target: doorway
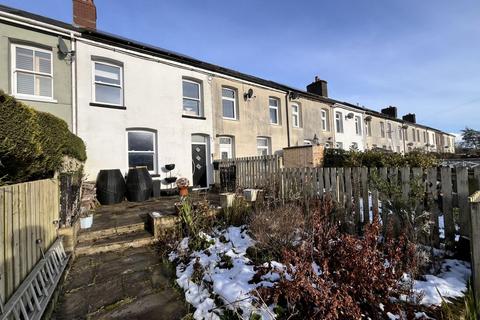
199,161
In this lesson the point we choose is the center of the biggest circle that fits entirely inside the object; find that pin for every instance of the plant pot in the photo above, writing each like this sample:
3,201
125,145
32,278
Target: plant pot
170,167
183,191
86,222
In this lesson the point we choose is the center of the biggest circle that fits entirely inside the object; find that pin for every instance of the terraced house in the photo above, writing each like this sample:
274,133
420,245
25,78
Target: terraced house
136,104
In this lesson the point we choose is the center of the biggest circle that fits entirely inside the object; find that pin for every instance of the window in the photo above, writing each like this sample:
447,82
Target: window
107,83
413,134
400,132
358,125
339,122
368,128
424,136
295,115
226,147
325,120
382,129
32,72
339,145
418,135
389,130
229,103
273,108
141,149
405,133
263,146
192,102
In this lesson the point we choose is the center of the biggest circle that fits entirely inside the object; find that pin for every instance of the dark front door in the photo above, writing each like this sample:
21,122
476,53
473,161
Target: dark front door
199,165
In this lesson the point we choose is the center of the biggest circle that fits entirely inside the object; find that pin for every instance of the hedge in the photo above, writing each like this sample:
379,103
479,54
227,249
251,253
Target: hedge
33,143
376,158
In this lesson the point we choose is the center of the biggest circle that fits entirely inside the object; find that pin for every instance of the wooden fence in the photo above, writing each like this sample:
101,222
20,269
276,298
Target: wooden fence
28,213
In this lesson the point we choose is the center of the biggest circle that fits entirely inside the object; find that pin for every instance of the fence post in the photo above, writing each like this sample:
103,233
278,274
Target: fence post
475,243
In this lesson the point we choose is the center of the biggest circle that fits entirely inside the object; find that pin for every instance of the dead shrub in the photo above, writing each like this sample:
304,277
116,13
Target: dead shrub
334,275
277,229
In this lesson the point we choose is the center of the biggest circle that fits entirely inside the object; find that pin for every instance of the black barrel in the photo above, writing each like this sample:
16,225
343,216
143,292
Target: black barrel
110,186
139,184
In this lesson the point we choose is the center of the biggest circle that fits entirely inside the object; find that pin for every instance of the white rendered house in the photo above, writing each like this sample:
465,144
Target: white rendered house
348,127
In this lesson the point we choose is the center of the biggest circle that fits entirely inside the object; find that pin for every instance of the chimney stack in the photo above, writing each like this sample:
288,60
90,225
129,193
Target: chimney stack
85,14
318,87
410,117
390,111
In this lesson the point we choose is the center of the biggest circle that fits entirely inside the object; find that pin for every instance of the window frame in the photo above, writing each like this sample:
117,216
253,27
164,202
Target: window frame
358,125
389,130
200,100
339,122
276,108
368,128
382,129
324,117
234,100
95,82
414,133
14,71
232,144
267,147
154,152
296,114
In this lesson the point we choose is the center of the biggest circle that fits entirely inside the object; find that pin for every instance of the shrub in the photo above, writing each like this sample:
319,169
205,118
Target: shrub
33,143
333,275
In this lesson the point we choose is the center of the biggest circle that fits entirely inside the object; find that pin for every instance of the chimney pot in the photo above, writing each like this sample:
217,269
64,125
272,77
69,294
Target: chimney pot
390,111
319,87
85,14
410,117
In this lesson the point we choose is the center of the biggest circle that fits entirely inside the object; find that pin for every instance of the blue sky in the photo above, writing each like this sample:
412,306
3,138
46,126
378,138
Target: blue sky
421,56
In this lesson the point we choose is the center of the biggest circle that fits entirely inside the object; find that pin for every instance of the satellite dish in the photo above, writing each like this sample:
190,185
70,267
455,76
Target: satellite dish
62,46
249,94
368,118
350,115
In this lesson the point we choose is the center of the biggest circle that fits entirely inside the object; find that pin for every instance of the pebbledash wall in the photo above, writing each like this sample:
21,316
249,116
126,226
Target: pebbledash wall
153,98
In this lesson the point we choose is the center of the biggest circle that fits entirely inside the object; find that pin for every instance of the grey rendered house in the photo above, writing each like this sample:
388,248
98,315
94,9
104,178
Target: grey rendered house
32,67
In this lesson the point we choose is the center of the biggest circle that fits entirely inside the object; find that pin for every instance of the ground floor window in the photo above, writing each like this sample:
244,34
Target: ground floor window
141,149
263,146
226,147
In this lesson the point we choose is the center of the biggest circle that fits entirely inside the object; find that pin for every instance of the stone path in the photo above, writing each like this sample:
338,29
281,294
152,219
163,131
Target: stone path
128,284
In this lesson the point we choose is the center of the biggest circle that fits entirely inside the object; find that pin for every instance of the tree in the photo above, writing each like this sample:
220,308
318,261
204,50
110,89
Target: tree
470,138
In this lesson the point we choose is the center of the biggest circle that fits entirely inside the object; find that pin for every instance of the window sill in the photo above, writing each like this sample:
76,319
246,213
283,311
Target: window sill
230,119
103,105
34,98
193,117
276,124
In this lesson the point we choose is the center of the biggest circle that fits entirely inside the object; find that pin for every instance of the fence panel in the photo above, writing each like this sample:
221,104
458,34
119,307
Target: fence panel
27,214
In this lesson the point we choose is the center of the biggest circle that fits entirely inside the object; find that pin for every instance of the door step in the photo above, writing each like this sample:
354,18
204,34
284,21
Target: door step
94,235
116,242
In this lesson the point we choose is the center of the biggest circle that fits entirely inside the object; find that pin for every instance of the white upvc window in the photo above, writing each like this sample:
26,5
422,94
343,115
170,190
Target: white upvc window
413,134
418,135
192,101
358,125
296,115
325,120
339,122
141,149
229,103
107,83
226,147
32,73
273,104
425,136
389,130
382,129
368,128
263,146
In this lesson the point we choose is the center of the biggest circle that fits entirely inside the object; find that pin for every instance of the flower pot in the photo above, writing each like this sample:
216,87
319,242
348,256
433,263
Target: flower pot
86,222
183,191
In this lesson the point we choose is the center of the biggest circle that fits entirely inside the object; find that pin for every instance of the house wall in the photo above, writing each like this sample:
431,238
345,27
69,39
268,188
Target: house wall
153,100
311,123
61,105
253,118
349,136
395,143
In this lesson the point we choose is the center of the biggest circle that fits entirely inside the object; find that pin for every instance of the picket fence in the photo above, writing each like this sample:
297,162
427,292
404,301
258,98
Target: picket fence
28,215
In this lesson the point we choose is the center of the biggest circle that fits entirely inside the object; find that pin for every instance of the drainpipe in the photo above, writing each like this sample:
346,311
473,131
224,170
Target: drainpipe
74,82
288,118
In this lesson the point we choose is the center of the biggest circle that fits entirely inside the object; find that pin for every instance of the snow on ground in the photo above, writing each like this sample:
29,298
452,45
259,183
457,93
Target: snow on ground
451,282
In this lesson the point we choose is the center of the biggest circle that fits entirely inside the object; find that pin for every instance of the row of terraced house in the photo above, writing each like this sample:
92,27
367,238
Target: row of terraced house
135,104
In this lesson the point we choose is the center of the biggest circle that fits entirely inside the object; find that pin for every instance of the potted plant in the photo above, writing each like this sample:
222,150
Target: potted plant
86,219
182,185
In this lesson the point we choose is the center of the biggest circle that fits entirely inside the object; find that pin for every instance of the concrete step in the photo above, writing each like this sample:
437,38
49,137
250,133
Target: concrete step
107,232
116,242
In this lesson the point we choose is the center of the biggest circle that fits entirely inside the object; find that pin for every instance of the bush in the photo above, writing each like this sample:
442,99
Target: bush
33,143
378,158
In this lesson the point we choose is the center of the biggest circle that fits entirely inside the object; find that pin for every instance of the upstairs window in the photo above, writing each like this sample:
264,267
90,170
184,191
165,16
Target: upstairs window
229,103
418,135
192,102
108,84
400,132
263,146
325,120
296,115
339,122
273,104
389,130
413,134
425,136
368,128
382,129
32,72
358,125
141,149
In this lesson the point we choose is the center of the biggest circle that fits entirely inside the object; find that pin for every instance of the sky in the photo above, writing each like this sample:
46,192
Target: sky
421,56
